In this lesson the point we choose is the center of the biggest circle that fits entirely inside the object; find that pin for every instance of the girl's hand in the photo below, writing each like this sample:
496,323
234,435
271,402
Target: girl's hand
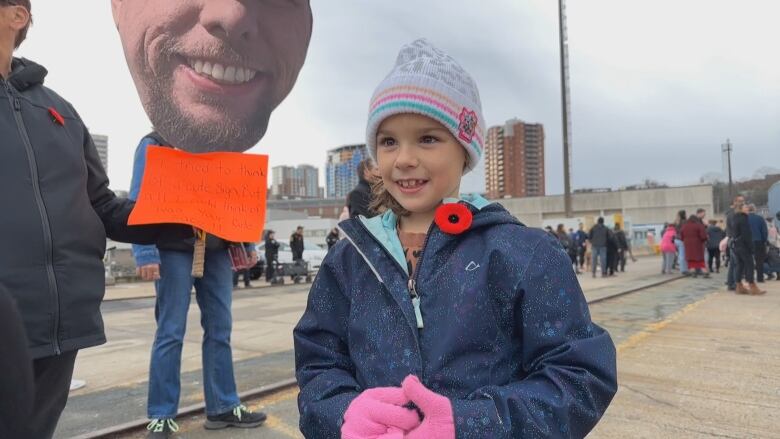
378,413
439,421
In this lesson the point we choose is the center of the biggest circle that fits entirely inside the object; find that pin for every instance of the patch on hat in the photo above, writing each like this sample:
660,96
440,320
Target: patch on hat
468,125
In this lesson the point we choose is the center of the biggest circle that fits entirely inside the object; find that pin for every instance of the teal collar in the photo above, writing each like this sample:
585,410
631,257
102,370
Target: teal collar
384,227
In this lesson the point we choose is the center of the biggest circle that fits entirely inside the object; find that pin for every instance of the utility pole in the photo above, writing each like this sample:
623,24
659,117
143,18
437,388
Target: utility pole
727,149
565,108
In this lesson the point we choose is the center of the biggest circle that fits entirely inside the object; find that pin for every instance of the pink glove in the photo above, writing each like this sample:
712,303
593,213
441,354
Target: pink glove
379,413
439,422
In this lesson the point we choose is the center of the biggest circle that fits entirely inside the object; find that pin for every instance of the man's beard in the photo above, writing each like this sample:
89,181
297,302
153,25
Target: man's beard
186,133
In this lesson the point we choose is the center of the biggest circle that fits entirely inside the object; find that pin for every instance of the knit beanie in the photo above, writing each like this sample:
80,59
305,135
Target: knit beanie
427,81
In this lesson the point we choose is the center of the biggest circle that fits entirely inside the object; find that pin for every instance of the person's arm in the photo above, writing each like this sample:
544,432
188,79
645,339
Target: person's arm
570,369
764,231
113,211
146,256
323,367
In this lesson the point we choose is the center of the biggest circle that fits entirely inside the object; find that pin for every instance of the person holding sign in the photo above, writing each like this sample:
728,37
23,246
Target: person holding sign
57,210
208,73
171,267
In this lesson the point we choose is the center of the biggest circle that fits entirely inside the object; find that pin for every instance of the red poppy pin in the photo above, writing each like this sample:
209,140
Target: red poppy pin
57,117
453,218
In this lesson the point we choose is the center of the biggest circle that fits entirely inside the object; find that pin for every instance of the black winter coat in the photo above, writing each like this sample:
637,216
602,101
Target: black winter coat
742,240
271,250
359,199
57,211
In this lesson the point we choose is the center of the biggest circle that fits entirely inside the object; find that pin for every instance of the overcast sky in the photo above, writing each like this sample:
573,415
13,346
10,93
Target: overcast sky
657,85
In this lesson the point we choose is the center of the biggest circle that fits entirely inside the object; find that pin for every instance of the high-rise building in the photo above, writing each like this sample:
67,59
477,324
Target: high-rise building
295,182
341,169
514,160
101,143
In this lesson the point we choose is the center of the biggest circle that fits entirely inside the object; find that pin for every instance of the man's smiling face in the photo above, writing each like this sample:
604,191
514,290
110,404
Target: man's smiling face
210,72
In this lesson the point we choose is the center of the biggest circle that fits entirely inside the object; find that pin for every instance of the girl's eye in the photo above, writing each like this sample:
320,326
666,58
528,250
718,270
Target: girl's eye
428,139
386,141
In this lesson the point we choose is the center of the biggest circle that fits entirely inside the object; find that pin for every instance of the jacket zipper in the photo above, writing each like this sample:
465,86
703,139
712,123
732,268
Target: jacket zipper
48,245
413,281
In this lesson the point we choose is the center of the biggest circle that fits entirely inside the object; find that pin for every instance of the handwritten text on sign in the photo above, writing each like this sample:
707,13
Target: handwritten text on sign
222,193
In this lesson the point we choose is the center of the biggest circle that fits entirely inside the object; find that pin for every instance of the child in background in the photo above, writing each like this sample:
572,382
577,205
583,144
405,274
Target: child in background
668,248
444,317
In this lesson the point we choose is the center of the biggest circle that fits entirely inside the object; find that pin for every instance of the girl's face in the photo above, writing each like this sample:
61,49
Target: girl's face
420,162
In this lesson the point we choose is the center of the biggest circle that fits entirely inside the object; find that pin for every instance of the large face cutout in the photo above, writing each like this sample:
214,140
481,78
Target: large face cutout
210,72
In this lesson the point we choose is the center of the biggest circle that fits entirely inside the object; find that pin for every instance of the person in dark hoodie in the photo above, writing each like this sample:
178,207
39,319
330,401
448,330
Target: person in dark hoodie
53,230
360,198
271,255
599,239
714,236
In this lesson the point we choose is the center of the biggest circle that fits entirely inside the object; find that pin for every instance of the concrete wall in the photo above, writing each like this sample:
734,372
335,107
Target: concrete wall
645,206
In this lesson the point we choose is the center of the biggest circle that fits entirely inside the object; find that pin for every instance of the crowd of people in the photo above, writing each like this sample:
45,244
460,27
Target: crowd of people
751,246
746,243
601,249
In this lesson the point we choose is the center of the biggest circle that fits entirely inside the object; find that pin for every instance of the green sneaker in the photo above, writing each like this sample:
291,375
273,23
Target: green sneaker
161,428
240,417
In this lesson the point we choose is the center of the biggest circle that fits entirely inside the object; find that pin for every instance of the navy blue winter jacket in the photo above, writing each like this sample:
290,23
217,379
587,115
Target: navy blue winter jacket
506,334
758,228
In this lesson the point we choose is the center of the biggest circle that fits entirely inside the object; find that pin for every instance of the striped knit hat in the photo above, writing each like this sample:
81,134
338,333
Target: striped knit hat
429,82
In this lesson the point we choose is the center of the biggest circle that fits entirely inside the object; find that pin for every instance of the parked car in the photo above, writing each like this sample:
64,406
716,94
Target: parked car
312,254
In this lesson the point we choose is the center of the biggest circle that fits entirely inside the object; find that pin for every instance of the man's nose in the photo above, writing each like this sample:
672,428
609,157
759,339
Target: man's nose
231,20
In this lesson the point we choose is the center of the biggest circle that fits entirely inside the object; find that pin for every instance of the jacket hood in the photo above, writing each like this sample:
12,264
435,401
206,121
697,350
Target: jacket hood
383,227
26,74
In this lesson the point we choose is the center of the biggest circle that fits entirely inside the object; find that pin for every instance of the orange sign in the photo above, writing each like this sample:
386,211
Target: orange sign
222,193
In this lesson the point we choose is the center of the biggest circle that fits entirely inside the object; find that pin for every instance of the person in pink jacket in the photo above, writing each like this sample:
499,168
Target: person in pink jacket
668,249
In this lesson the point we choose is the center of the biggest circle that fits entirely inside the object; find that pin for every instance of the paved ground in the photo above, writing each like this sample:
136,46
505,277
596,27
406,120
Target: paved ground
711,369
117,372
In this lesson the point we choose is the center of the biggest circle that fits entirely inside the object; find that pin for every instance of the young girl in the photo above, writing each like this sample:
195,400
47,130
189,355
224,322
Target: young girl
668,249
444,317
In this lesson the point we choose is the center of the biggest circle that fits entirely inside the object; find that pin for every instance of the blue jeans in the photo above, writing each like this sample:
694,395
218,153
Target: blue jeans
681,261
731,275
214,295
600,255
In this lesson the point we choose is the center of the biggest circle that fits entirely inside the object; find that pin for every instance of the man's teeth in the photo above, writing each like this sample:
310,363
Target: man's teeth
219,72
410,184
